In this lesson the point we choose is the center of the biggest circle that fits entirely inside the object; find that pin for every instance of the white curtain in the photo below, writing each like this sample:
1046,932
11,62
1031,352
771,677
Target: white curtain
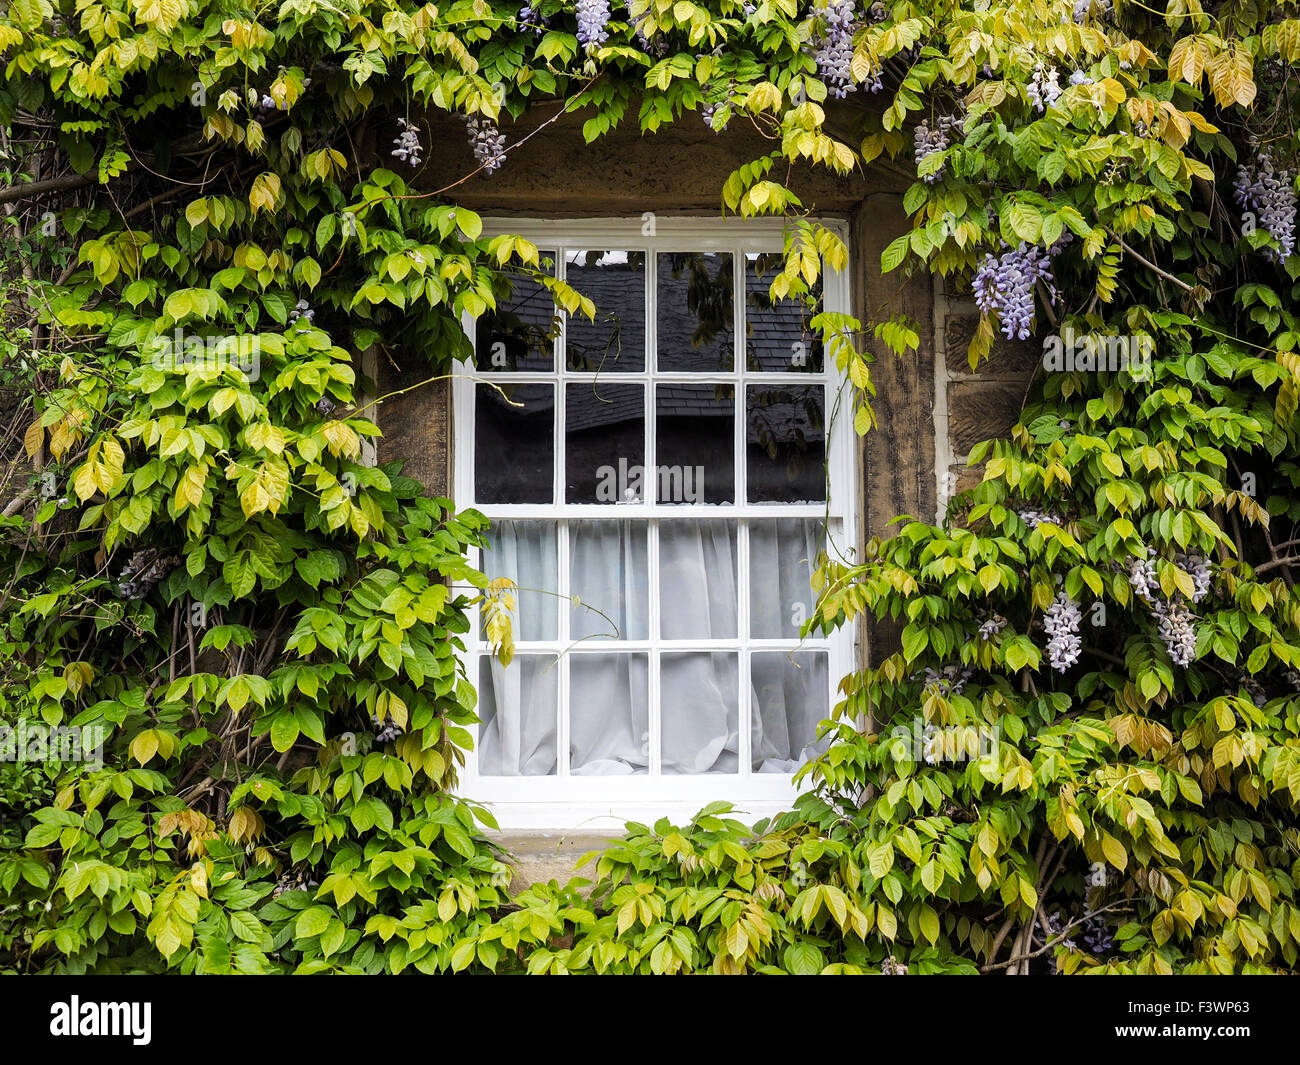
781,555
609,575
525,551
517,708
609,690
609,717
788,696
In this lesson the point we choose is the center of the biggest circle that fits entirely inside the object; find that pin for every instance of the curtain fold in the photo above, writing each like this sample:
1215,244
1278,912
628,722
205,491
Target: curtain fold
608,688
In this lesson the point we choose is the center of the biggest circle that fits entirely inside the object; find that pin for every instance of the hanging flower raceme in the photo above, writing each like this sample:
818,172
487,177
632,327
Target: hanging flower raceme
530,17
834,49
1266,189
1004,285
1062,622
593,17
1043,88
487,142
408,148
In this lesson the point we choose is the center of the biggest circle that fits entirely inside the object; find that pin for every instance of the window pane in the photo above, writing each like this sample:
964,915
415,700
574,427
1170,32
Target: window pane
615,282
514,445
609,718
609,577
695,438
785,432
698,713
778,337
782,555
520,333
697,580
517,708
526,552
694,320
789,699
604,443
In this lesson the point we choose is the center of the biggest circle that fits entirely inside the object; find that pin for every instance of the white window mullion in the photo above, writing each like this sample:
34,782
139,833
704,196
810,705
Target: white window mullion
654,719
563,680
744,709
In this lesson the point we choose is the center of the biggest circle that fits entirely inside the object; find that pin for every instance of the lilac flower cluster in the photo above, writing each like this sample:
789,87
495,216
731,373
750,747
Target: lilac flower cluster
530,17
1034,518
926,141
386,730
1177,630
706,112
891,966
143,570
1083,8
1096,935
408,150
303,880
1142,576
301,312
593,17
1080,77
656,44
1004,284
1264,187
834,50
1199,569
992,627
1174,620
950,680
1043,88
1096,876
1062,622
487,142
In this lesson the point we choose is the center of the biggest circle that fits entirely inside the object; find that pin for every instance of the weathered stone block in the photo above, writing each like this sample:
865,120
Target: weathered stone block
1013,358
982,410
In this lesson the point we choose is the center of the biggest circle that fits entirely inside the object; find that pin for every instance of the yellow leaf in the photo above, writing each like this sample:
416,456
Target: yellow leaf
144,746
84,481
34,438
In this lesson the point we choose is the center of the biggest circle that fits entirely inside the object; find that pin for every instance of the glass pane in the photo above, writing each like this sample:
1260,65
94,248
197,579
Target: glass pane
695,438
695,322
785,436
610,580
782,555
615,282
697,580
698,716
609,717
520,334
778,337
789,699
514,444
527,553
604,443
518,709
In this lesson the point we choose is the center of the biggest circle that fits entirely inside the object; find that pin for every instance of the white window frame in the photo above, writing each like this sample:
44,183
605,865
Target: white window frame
600,803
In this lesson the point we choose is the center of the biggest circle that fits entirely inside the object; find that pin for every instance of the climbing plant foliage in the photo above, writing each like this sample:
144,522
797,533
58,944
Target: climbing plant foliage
1076,744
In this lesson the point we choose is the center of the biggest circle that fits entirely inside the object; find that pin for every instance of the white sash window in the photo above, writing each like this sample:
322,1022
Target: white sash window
660,483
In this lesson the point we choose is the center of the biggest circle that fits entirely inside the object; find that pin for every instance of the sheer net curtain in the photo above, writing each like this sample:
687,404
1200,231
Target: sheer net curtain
608,704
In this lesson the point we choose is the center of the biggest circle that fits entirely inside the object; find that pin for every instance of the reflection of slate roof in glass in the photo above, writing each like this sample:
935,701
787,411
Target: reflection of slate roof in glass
776,412
771,332
615,341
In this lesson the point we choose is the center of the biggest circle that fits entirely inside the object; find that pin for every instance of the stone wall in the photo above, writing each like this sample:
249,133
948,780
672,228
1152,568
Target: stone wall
972,405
